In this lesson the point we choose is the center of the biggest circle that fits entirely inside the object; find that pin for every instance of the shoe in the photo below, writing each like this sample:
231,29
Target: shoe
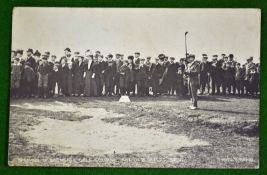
192,107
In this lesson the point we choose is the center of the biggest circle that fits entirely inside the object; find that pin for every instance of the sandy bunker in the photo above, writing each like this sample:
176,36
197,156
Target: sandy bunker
96,137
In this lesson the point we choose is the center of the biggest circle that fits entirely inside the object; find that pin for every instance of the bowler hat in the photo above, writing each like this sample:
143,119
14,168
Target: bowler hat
67,49
130,57
161,56
44,57
30,50
110,55
37,53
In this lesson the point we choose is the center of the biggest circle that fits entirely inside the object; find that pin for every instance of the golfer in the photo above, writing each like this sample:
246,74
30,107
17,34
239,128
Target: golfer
192,71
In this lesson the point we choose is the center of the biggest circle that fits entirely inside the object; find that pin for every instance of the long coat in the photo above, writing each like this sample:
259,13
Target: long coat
78,81
124,76
16,70
171,73
66,72
109,74
90,88
141,73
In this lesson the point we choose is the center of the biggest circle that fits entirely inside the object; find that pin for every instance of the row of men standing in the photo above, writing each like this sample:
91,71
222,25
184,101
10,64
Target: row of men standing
94,75
91,75
227,76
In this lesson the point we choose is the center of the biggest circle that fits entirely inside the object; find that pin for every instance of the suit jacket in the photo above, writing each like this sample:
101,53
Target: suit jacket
204,68
110,70
32,62
141,72
78,69
172,69
192,71
158,71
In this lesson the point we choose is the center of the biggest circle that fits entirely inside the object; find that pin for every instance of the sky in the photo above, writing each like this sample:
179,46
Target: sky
150,31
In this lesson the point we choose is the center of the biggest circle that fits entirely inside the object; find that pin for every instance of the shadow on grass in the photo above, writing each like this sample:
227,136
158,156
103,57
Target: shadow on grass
226,111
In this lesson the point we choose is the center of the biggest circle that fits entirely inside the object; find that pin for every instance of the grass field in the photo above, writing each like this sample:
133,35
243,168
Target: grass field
148,132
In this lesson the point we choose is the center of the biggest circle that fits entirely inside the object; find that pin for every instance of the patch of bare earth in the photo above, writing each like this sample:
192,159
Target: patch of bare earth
148,132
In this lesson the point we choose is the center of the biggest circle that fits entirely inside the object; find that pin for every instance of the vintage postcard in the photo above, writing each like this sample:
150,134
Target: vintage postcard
134,87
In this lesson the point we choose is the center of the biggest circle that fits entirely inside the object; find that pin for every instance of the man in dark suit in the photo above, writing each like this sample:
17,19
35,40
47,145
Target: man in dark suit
171,76
204,71
51,76
214,74
109,75
102,66
158,74
141,77
118,64
232,63
227,76
43,70
150,67
78,71
30,59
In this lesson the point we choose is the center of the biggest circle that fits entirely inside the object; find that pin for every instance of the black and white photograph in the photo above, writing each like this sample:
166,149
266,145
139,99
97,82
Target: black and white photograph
135,87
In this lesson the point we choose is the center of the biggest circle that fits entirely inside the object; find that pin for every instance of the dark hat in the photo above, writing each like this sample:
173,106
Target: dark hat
117,54
191,56
77,53
161,56
67,49
47,53
215,55
37,53
30,50
142,59
223,54
110,55
98,52
238,64
130,57
137,53
19,51
53,56
250,58
231,55
148,58
44,57
17,59
204,55
172,58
